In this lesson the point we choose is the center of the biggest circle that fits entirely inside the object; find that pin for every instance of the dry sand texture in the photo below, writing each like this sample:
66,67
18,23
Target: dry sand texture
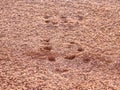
59,44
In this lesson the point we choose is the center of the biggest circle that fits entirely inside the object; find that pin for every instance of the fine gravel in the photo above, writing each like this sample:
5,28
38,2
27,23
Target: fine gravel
59,44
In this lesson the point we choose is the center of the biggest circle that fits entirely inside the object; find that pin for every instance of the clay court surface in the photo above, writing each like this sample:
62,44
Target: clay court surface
59,44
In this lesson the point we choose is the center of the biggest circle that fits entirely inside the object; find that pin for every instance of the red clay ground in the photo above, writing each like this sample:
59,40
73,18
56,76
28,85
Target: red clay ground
60,45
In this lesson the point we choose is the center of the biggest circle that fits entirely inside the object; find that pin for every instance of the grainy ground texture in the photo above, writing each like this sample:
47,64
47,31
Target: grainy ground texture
59,44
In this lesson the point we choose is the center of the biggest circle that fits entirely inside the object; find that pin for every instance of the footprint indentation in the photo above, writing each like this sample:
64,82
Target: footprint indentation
86,60
51,58
80,49
80,18
70,56
60,70
47,21
48,48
